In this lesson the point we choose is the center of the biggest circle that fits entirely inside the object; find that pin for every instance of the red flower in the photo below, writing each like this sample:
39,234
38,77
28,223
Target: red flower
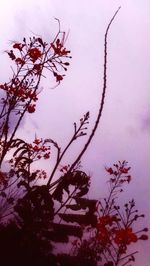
36,148
124,170
18,46
109,170
34,54
20,61
58,77
125,236
65,168
107,220
103,236
32,95
47,155
104,232
59,49
11,55
37,69
37,141
31,108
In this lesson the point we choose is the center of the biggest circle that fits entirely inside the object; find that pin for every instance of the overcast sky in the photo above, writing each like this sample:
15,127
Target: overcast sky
124,132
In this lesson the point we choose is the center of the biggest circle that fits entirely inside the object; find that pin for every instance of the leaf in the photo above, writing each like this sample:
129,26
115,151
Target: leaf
87,203
83,191
76,178
60,232
36,208
24,159
80,218
74,207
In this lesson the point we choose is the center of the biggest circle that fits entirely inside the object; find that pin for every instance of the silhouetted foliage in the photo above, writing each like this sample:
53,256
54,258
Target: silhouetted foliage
38,213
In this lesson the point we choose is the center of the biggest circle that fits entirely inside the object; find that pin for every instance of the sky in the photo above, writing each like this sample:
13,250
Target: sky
124,131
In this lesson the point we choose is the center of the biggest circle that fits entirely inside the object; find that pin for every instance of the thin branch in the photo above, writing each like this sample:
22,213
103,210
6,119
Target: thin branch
103,95
77,133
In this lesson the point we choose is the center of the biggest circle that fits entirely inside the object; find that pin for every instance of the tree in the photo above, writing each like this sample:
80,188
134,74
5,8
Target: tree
38,211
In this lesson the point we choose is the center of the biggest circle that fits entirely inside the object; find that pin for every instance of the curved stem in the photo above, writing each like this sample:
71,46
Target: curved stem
102,98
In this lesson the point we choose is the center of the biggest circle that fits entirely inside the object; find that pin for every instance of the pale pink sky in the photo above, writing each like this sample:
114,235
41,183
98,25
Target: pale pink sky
124,132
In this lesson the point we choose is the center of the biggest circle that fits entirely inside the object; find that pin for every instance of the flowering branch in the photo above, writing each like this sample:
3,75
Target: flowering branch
21,92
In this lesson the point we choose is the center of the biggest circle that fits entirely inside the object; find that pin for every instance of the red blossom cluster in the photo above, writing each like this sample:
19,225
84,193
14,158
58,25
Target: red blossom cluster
26,154
18,46
31,60
39,149
64,169
40,55
119,172
114,231
39,174
34,54
20,94
58,48
26,53
103,234
125,236
109,232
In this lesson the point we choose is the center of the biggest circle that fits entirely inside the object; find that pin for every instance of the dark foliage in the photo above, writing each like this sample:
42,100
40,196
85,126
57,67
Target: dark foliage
37,213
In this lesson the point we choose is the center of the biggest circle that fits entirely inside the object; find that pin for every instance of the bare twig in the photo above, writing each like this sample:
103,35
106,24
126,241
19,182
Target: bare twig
103,95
